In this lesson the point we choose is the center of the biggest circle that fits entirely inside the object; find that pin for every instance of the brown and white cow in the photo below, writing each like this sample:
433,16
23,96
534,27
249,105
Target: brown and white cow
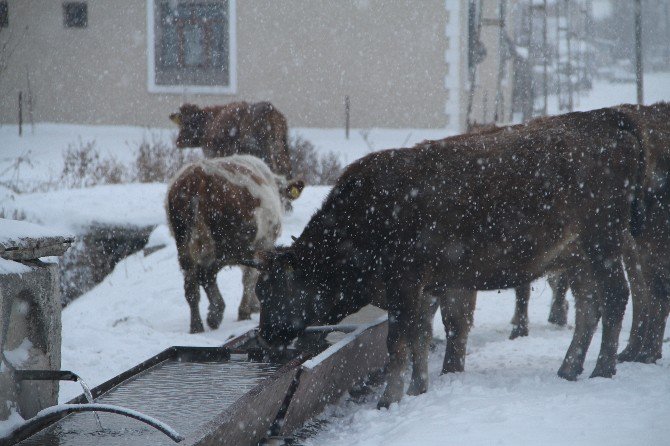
220,211
476,212
257,129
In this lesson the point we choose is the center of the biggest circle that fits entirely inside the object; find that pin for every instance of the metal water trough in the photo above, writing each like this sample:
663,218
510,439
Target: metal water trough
228,395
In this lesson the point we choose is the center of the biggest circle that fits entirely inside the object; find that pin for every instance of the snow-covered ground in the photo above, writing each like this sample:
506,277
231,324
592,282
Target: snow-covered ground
509,393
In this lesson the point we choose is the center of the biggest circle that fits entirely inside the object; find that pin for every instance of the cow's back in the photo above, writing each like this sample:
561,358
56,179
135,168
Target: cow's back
257,129
505,203
223,208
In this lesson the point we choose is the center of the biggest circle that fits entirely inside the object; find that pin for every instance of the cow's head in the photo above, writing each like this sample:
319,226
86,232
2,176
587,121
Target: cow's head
191,120
295,294
285,295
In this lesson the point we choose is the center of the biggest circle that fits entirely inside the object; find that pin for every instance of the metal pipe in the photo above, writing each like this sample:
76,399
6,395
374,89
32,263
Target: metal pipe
51,414
343,328
45,375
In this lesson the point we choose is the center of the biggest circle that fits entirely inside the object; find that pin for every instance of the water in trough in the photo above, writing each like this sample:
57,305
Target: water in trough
183,394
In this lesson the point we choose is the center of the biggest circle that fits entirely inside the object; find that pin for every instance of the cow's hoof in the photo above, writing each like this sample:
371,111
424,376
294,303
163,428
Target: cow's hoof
452,367
518,331
647,357
197,328
570,373
559,315
392,394
417,387
385,402
628,354
214,318
605,368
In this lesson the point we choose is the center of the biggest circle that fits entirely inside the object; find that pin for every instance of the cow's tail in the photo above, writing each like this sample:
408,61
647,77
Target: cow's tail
201,246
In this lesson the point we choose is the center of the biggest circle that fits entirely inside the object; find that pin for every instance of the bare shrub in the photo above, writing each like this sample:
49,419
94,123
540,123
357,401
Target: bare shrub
11,176
83,167
330,169
157,161
311,167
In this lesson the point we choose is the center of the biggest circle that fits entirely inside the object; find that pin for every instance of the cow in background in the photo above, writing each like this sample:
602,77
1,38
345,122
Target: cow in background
257,129
652,234
644,255
220,211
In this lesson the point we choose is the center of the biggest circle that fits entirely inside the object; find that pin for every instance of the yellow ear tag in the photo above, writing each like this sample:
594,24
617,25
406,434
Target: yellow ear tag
294,192
176,118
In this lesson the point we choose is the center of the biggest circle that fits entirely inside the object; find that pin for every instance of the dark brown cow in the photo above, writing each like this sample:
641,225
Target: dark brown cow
475,212
645,258
220,211
255,129
559,283
653,237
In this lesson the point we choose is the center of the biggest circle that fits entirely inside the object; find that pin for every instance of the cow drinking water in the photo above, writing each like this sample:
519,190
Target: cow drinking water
220,211
474,212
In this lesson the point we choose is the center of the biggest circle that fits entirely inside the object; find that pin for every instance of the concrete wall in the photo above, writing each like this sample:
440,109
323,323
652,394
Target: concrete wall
304,56
30,303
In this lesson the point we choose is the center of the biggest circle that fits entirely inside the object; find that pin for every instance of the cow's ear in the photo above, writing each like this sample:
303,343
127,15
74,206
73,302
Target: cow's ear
288,260
294,189
176,118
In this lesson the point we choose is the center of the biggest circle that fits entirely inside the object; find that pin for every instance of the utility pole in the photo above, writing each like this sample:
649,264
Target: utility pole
545,90
639,77
499,112
568,37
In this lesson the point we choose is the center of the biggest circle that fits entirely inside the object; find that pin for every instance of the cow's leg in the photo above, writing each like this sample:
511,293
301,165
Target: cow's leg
249,302
651,345
520,318
587,294
558,314
216,303
419,336
641,296
192,293
614,305
457,309
397,344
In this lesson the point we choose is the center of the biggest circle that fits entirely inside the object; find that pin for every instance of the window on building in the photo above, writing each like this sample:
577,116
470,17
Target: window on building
192,44
75,14
4,15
